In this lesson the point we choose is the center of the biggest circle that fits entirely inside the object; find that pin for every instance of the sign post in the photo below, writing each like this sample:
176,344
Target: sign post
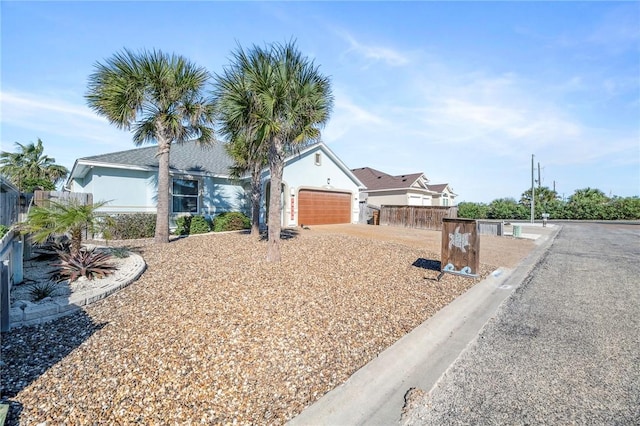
460,248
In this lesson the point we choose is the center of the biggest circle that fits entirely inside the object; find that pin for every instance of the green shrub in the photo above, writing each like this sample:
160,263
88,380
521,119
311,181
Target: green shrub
231,221
183,225
3,230
129,226
120,252
199,225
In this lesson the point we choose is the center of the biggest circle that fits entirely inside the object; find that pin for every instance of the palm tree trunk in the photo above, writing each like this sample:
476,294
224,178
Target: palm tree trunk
76,239
255,200
162,211
276,167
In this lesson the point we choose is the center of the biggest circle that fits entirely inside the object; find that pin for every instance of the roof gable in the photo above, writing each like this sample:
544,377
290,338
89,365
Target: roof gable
441,188
375,180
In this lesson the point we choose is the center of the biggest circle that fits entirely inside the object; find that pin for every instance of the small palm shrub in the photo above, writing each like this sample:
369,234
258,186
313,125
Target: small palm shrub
133,225
231,221
3,230
199,225
83,263
42,290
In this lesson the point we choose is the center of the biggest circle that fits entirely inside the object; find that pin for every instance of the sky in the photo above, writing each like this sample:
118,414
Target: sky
464,92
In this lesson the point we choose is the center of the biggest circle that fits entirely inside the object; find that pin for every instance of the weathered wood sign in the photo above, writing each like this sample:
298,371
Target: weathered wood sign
460,247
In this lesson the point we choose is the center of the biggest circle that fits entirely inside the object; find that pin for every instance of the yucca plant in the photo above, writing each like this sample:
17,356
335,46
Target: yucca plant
50,249
41,291
83,263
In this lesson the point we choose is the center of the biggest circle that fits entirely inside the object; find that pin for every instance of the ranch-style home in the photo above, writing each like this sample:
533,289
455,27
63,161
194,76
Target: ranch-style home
403,190
317,186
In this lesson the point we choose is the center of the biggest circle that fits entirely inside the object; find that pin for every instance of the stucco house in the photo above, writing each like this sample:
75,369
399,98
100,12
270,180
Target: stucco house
402,190
317,187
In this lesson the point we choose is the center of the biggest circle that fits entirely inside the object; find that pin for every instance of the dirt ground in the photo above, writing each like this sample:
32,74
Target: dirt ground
500,251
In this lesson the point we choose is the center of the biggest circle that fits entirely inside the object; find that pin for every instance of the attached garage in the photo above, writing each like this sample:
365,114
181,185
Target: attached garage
323,207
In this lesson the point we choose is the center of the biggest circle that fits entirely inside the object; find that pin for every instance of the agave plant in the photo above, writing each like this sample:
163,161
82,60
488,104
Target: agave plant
39,291
83,263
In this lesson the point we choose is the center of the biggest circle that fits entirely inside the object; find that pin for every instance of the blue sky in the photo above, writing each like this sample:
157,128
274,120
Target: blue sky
465,92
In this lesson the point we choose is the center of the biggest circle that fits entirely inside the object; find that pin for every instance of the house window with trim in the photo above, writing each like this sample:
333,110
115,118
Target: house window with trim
318,159
445,200
185,196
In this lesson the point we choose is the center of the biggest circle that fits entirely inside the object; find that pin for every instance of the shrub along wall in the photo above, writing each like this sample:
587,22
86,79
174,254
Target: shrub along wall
129,226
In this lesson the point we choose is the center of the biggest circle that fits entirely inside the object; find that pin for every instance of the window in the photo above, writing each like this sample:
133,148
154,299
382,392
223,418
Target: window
185,196
318,159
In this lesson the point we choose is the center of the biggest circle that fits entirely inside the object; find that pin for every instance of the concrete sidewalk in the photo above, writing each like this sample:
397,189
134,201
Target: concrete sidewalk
374,395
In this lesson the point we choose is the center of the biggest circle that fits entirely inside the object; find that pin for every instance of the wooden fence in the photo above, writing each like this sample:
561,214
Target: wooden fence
423,217
9,203
41,198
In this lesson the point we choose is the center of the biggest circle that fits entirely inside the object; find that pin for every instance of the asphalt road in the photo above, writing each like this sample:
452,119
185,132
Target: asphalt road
563,349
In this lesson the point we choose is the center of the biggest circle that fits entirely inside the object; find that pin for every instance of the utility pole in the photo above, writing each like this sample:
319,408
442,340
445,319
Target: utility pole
539,180
554,186
533,192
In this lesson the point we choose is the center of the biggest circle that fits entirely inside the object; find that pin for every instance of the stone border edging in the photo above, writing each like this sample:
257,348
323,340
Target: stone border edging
29,313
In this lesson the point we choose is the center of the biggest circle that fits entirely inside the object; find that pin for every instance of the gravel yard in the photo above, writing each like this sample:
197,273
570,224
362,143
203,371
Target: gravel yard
211,333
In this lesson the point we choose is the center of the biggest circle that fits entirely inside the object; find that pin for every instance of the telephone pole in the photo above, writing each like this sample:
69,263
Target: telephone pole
539,180
533,192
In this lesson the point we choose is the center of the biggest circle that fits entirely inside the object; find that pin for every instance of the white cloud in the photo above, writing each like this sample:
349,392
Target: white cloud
348,116
375,52
53,115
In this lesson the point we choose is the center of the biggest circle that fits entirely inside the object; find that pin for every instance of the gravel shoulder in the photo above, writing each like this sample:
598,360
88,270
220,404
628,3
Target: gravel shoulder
212,333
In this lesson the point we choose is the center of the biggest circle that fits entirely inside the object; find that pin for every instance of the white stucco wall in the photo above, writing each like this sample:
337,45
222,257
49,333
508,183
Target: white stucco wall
218,195
126,191
135,191
389,198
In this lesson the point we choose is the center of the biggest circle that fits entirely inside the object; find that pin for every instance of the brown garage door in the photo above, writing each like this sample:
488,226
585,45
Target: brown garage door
323,207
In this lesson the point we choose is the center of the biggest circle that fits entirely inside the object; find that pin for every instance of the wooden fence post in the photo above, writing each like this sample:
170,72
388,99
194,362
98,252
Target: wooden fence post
4,296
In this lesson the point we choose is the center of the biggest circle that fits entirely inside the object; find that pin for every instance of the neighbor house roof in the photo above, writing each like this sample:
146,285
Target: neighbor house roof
438,187
375,180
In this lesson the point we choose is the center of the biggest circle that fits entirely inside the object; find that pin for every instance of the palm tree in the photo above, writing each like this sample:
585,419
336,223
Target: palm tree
291,101
30,167
238,123
159,97
246,160
70,217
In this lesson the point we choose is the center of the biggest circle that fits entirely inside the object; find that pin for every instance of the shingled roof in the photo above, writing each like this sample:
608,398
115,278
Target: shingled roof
376,180
186,157
439,188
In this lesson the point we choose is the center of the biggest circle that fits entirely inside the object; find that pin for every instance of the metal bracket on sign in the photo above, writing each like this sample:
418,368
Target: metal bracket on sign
464,272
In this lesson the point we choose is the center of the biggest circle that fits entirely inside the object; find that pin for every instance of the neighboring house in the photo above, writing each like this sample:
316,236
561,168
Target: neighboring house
444,195
403,190
317,186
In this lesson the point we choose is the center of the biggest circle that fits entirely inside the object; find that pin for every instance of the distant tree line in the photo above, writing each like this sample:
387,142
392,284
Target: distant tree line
584,204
